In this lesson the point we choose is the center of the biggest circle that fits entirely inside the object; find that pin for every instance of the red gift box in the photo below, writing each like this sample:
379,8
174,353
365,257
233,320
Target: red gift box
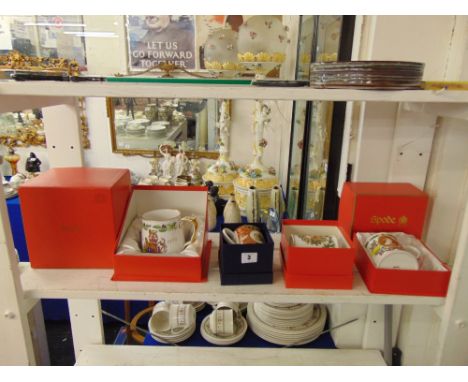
190,201
72,216
390,207
317,268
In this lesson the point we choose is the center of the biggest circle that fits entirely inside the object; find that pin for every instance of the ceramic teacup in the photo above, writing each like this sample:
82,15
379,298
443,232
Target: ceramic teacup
171,318
223,319
387,252
162,231
314,241
244,234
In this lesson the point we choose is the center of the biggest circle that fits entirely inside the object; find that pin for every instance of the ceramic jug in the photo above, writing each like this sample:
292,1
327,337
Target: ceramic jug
252,206
231,211
211,213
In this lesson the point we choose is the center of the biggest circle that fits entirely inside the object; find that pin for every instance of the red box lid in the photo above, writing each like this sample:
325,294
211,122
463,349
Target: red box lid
380,207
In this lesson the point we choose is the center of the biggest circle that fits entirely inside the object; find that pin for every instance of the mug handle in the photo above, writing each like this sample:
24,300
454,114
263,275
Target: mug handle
193,220
230,236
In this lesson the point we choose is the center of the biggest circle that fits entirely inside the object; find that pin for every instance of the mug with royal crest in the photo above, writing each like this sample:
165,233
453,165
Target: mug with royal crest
163,233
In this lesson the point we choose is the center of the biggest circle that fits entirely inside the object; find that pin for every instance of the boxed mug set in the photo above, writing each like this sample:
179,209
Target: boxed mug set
160,243
93,218
245,254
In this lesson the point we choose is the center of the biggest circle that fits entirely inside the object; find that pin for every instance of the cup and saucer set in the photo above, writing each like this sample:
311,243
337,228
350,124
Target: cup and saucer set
173,322
394,250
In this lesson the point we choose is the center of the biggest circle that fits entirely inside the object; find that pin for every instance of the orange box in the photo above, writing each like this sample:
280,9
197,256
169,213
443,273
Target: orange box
383,207
390,207
190,201
72,216
402,281
318,268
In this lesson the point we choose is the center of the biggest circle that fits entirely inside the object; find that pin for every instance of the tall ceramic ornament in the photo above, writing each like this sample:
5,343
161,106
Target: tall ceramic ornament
223,171
256,174
261,44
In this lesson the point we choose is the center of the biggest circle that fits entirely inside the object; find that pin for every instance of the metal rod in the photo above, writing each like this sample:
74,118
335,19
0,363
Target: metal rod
139,328
388,340
330,329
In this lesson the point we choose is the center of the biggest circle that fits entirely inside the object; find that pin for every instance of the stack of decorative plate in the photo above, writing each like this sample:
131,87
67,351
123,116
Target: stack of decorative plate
172,323
286,324
389,75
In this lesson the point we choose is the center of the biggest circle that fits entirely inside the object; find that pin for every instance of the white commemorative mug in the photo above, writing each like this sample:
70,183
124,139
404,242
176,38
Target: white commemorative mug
162,231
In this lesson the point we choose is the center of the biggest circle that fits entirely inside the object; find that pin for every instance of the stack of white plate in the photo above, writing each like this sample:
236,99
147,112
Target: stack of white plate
197,305
157,129
137,126
161,331
286,324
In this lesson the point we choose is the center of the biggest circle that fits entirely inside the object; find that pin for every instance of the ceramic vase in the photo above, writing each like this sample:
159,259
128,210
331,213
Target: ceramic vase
211,213
276,199
231,211
252,206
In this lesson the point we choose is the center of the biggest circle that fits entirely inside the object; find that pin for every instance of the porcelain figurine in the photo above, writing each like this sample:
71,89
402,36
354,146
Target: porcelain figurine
181,163
33,163
154,162
263,118
167,163
252,207
223,171
194,172
211,213
231,211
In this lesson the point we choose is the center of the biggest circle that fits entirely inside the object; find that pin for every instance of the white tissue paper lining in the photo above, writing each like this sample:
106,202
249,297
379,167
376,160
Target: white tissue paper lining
130,245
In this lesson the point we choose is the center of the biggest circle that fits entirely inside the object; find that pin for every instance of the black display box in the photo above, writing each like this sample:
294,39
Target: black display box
246,264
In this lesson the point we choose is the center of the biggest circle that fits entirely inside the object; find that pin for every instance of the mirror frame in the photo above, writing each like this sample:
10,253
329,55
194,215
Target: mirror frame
142,152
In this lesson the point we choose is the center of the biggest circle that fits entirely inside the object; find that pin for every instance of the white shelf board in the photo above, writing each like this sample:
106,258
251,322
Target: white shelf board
114,89
97,284
137,355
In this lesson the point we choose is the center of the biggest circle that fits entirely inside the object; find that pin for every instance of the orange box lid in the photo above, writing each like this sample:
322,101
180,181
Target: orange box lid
383,207
77,177
384,189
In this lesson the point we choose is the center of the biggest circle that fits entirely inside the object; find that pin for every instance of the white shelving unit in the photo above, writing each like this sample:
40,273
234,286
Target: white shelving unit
164,90
23,286
97,284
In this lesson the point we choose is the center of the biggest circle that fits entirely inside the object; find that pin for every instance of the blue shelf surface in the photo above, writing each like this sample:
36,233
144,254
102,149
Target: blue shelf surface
250,339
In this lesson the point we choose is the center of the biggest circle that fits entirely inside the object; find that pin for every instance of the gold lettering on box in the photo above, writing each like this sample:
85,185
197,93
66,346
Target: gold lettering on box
383,219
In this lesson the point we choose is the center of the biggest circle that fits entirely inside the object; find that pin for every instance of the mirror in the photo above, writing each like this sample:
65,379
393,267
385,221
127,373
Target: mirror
140,125
24,128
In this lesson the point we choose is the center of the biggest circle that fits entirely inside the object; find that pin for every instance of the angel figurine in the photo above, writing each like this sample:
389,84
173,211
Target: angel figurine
181,163
167,163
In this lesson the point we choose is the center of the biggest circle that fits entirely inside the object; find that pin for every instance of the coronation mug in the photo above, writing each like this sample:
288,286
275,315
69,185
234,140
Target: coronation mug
162,231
